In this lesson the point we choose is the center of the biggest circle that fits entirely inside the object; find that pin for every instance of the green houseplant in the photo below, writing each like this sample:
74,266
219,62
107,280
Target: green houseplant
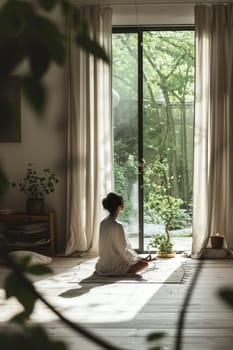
161,205
35,186
162,244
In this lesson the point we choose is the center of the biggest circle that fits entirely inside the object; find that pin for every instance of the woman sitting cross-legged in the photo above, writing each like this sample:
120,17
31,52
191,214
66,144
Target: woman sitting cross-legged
116,256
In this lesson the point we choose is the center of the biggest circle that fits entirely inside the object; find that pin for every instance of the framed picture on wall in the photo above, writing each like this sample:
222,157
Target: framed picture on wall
10,110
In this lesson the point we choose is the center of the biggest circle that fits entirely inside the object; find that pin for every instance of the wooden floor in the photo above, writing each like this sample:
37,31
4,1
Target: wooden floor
126,314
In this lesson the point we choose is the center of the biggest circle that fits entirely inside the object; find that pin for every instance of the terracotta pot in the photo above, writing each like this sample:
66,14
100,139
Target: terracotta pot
35,205
216,241
166,255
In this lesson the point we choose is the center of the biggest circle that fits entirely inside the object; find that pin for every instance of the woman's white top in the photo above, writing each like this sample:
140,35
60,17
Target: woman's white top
115,252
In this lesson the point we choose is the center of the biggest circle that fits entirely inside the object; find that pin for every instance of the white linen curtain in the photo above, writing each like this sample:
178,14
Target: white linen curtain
89,135
213,135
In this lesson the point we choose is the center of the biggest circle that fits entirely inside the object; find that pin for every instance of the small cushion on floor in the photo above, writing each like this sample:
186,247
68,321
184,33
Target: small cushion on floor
211,253
36,258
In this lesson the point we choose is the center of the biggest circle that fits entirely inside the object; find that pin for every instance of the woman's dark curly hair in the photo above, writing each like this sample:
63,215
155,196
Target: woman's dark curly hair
112,201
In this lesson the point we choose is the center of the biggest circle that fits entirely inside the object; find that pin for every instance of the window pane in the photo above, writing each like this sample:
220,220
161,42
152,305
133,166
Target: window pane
168,83
125,123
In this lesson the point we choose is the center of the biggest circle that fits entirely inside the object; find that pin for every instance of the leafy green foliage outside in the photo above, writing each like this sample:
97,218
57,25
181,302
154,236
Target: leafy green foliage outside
160,205
125,176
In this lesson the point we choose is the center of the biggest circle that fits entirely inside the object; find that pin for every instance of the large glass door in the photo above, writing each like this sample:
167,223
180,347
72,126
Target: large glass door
153,99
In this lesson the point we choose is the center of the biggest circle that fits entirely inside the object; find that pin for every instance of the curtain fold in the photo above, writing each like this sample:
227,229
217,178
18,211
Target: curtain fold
213,129
89,138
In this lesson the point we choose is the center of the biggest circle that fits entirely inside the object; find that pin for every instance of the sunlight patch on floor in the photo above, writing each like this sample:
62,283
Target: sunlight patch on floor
85,303
94,303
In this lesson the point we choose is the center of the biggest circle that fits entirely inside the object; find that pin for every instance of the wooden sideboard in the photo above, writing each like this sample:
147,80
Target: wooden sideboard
34,232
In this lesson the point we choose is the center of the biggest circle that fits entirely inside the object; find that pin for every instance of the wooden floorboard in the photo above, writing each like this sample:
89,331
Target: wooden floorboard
125,314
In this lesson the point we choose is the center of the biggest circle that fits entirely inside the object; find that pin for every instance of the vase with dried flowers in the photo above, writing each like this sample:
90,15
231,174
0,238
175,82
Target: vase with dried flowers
35,187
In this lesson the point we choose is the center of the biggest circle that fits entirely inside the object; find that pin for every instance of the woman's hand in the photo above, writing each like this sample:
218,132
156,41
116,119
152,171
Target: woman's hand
149,258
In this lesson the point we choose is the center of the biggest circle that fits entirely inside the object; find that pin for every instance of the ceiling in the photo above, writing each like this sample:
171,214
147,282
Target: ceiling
150,12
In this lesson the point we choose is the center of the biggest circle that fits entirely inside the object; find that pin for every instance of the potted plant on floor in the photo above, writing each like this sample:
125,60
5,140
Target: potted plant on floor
163,246
163,206
35,187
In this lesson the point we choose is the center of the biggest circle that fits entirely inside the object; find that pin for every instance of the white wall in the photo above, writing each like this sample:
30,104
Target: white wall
153,14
